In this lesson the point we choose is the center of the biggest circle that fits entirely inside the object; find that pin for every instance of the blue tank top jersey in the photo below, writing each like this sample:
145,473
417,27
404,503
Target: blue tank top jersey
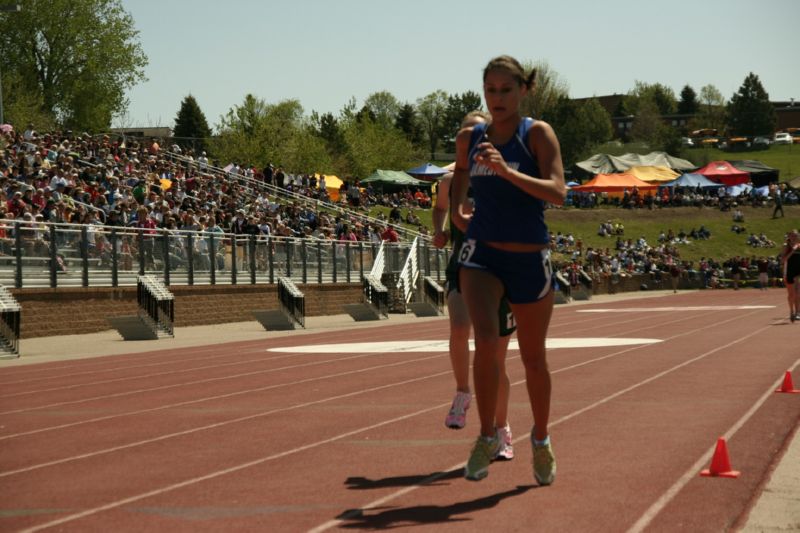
503,212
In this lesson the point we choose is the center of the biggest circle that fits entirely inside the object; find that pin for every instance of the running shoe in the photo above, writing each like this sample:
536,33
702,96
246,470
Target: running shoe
544,463
505,452
792,317
481,457
457,417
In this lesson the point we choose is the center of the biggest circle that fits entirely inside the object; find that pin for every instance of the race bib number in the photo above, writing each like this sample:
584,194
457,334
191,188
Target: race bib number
546,266
467,249
510,322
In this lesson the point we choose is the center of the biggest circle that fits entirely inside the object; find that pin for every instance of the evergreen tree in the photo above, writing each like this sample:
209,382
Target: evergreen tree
191,127
407,123
750,112
458,105
688,104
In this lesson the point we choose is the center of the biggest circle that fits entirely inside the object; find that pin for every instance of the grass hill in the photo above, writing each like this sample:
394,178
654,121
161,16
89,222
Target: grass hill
724,243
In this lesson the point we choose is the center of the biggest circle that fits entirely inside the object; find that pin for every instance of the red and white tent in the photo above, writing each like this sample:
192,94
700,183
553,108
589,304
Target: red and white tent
724,173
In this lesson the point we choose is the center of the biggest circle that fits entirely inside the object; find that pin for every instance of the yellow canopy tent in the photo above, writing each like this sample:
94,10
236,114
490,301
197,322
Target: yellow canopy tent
653,174
332,184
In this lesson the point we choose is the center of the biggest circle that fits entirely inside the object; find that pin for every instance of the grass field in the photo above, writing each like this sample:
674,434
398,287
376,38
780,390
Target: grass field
723,243
584,223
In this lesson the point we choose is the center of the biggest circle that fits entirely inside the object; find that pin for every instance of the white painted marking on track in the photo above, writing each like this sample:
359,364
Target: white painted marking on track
442,345
682,308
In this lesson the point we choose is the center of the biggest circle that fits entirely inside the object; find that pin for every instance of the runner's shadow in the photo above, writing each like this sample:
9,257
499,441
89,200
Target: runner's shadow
362,483
424,514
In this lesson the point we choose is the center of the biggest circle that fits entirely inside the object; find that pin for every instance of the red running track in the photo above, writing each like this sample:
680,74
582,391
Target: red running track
243,437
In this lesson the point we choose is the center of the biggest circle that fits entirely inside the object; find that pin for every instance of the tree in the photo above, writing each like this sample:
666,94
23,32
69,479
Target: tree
384,107
660,95
431,111
327,128
711,113
458,105
306,152
750,112
647,124
258,133
22,107
580,125
191,127
370,146
407,123
547,91
78,57
688,104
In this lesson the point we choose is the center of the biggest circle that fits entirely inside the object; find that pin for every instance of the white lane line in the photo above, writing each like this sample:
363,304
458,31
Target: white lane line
183,384
381,501
231,470
108,450
686,308
692,471
213,349
442,345
202,400
109,417
146,376
249,464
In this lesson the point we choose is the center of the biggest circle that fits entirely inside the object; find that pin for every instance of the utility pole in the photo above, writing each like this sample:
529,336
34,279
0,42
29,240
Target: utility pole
6,8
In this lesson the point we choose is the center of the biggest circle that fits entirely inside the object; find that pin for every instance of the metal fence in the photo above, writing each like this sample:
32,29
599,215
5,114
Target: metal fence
52,255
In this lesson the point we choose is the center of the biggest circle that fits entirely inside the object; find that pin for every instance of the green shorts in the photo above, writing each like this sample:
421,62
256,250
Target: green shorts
505,317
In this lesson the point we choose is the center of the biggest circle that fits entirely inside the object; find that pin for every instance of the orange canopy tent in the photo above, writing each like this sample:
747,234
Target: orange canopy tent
615,183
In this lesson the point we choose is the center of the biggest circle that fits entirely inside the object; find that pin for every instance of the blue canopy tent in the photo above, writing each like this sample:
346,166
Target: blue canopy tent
427,172
739,190
691,180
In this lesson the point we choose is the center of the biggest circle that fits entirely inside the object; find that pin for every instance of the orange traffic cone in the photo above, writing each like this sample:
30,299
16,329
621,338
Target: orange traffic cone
788,386
720,464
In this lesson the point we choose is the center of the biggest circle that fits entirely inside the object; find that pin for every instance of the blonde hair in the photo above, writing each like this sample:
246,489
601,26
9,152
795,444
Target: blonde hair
469,118
513,67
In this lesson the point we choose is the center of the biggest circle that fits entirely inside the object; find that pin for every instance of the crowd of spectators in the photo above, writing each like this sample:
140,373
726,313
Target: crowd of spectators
99,181
123,182
660,262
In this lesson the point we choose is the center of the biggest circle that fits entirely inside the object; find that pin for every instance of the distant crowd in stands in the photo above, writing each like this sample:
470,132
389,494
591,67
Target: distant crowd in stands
94,180
82,179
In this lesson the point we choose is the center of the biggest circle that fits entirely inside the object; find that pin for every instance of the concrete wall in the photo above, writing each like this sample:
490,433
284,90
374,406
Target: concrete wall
67,311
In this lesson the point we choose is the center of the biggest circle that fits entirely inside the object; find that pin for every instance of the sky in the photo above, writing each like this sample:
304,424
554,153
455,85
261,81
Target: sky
325,52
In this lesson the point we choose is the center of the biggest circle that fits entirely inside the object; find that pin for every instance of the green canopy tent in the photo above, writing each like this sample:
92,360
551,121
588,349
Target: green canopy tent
393,179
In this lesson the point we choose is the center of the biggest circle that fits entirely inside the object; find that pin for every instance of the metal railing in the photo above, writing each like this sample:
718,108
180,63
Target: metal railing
410,273
36,254
292,300
376,294
9,322
156,304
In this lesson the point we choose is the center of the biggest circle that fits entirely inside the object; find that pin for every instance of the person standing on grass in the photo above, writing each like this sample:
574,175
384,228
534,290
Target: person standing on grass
790,259
513,166
460,323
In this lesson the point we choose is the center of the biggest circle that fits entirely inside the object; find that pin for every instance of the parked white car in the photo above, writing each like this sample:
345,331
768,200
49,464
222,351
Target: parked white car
782,138
761,141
